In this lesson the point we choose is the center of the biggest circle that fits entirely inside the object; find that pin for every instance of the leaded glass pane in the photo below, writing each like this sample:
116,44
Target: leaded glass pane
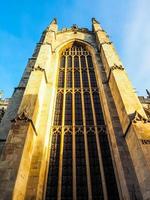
51,192
90,63
76,62
98,109
69,63
68,109
88,109
97,191
61,79
69,79
58,109
77,79
67,168
81,177
78,109
83,62
108,167
62,61
85,78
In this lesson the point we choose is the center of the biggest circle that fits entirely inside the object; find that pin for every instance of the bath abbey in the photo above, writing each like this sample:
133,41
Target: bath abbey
74,128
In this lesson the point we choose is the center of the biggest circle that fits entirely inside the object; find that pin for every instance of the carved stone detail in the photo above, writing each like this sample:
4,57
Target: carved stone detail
147,111
135,117
114,67
38,68
19,88
106,43
21,117
74,28
117,67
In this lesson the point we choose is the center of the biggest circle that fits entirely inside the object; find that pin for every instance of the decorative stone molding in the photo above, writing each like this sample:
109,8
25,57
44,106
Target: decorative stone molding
33,58
145,141
137,117
134,118
47,43
74,28
38,68
102,30
106,43
117,67
19,88
21,117
24,117
114,67
147,111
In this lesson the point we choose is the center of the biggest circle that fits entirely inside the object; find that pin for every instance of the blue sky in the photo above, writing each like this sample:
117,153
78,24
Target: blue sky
126,22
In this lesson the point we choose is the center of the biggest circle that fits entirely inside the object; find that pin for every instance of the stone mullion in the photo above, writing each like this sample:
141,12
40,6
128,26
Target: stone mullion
62,137
73,134
85,138
96,134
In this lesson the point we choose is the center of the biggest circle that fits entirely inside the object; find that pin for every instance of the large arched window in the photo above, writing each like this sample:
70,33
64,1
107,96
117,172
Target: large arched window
82,159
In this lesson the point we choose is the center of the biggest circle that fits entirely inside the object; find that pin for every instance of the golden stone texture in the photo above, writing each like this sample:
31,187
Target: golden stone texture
27,122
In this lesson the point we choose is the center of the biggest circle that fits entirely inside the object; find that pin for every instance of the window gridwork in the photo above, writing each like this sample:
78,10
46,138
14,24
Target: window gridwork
98,109
85,78
67,168
77,62
92,78
83,62
69,79
62,62
90,62
68,109
61,79
78,109
69,63
77,79
97,191
88,109
81,178
108,167
58,109
51,191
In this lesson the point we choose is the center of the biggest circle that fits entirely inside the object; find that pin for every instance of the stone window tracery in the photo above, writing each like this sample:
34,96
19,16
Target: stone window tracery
84,142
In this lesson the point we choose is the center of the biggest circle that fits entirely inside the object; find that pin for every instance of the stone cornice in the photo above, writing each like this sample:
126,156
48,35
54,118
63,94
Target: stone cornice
114,67
24,117
38,68
134,118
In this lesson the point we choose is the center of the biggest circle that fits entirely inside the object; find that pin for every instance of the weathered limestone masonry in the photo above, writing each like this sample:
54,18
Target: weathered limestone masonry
135,125
26,125
25,130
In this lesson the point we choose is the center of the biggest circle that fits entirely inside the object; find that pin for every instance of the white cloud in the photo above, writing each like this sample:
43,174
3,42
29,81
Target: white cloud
136,46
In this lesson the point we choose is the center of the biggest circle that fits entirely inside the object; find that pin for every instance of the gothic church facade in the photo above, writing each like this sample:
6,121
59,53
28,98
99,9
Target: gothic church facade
75,128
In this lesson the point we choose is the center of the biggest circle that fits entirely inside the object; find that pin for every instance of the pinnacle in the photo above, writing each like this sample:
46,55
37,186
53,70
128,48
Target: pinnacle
54,21
52,25
94,21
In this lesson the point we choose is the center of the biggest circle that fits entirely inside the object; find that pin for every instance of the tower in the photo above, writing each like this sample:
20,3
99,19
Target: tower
75,128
